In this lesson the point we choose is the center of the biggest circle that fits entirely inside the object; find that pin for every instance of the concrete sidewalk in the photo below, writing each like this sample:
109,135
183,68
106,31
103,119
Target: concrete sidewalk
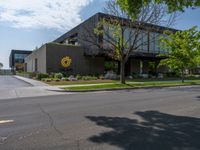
30,92
35,89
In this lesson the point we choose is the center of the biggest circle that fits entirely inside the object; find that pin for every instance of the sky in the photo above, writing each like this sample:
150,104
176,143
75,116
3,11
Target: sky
26,24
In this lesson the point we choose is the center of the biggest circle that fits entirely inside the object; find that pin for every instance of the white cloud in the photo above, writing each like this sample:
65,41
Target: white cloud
57,14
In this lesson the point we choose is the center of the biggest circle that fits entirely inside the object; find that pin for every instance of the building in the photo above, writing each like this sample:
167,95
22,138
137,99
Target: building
72,53
16,59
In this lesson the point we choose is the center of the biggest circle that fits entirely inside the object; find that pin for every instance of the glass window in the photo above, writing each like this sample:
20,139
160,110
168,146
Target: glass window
126,35
139,43
19,58
157,42
152,42
145,41
107,36
163,48
132,36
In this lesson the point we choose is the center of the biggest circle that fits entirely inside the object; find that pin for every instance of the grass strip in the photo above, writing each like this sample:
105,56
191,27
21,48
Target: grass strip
134,85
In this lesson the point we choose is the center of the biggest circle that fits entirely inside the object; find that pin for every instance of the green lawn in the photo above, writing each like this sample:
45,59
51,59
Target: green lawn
134,85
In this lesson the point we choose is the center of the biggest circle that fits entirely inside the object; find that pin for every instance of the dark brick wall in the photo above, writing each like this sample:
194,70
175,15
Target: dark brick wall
80,64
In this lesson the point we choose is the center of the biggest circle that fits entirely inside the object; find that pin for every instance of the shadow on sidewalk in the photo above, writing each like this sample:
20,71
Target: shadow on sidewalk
157,131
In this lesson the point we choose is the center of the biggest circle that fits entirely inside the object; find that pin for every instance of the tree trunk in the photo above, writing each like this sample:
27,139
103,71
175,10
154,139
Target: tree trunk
122,72
182,76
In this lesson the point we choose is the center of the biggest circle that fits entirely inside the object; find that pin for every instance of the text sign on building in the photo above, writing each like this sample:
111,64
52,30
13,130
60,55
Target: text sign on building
66,61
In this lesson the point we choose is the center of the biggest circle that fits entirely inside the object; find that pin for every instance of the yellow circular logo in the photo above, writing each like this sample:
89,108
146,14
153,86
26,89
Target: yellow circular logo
66,61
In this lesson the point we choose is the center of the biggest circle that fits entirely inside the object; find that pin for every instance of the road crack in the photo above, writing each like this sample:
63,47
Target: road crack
3,139
51,121
78,144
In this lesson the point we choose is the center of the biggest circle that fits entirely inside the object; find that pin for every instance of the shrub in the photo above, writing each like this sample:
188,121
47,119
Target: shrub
33,75
101,77
47,79
56,79
20,71
152,74
172,75
78,76
66,79
193,76
135,75
40,76
94,78
51,75
58,75
89,78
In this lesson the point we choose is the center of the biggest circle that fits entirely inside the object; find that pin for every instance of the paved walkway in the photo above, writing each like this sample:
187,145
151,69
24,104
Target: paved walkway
10,82
16,87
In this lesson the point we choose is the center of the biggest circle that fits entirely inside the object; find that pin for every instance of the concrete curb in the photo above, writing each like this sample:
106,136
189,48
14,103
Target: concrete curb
31,81
134,88
16,77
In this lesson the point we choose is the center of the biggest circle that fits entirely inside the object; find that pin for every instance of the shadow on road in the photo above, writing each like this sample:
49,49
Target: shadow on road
157,131
198,97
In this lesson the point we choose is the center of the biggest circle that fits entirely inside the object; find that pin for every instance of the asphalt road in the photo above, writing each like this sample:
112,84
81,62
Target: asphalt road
151,119
10,82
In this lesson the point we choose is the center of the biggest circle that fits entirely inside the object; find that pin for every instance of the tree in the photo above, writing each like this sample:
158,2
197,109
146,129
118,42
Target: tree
121,37
133,6
183,50
1,65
